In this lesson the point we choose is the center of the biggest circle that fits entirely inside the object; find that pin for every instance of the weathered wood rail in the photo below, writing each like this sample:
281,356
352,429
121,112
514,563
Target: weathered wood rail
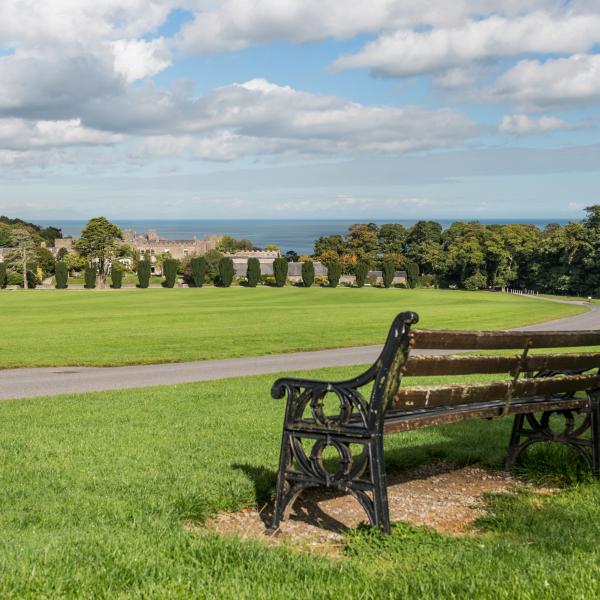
565,384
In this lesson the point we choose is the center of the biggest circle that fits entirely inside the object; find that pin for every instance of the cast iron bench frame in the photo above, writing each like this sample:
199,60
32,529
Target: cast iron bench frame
549,386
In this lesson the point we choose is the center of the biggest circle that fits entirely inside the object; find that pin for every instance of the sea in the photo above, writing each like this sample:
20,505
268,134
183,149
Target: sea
297,235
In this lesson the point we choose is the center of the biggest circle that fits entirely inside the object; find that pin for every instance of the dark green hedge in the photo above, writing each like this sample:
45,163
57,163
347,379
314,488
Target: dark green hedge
412,274
253,272
3,277
334,272
199,269
226,272
89,278
170,267
388,271
308,273
61,273
143,272
116,277
280,271
361,271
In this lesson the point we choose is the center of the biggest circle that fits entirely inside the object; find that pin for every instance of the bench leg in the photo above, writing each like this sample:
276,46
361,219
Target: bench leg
381,512
595,418
283,487
528,429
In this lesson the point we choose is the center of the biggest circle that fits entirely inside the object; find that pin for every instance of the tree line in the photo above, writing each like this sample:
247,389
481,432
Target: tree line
563,259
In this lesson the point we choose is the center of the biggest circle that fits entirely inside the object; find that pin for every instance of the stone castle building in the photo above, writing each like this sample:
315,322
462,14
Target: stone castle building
155,245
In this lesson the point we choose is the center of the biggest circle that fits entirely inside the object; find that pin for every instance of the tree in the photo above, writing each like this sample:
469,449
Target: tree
90,278
388,272
362,240
45,259
226,272
3,277
361,271
212,258
253,272
61,272
199,268
333,243
170,267
412,274
99,244
424,246
116,276
144,270
230,245
308,273
280,271
62,252
272,248
392,238
334,272
25,247
291,256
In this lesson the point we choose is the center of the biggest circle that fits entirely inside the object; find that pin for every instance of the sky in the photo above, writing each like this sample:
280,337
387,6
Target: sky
295,109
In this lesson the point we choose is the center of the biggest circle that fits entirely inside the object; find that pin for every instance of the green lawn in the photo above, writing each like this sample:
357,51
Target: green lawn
94,490
107,327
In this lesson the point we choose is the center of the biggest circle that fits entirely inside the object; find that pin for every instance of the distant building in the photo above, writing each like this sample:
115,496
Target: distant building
155,245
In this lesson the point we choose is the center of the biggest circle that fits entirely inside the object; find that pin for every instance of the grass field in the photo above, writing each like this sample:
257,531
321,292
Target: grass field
60,328
94,490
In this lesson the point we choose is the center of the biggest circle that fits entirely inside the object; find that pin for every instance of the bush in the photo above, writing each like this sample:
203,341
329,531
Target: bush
280,271
268,280
334,272
412,274
361,271
226,272
144,270
388,270
170,268
475,282
61,272
89,278
199,269
14,278
3,278
308,273
253,272
116,276
427,281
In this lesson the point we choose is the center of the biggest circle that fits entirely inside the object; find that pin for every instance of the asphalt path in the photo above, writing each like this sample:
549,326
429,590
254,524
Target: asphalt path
50,381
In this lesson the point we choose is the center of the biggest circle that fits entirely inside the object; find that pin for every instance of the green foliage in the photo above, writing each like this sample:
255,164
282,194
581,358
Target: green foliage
62,275
412,274
14,278
99,244
90,278
231,245
212,258
387,271
170,268
308,273
361,270
199,268
3,277
226,272
62,252
253,272
334,272
477,281
116,276
39,234
280,271
144,270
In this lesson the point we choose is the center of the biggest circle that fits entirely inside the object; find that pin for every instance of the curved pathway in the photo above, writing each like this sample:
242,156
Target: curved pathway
27,383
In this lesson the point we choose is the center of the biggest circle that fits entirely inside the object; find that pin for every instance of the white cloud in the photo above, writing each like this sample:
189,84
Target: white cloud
137,59
563,82
233,24
409,52
522,124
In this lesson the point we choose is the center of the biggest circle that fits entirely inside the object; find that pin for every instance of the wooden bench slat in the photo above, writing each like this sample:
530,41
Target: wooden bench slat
416,397
403,421
501,340
420,366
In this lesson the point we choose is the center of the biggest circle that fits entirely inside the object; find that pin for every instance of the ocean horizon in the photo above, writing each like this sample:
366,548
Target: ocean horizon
287,234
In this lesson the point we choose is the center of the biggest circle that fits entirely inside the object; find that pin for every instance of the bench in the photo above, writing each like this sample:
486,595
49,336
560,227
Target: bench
564,384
